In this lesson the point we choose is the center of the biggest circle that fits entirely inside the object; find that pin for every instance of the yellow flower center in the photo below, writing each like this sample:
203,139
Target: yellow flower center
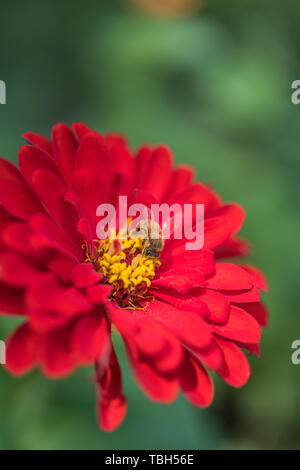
125,266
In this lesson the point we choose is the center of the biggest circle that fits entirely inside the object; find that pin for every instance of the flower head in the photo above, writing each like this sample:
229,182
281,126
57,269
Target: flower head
180,313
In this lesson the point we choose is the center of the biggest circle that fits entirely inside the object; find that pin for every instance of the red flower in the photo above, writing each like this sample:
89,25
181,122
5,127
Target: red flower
177,318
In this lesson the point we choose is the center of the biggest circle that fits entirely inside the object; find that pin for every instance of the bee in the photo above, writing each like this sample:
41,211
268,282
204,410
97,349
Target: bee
150,232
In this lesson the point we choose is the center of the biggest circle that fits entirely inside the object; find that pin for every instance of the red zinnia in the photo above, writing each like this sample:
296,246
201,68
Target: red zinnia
193,313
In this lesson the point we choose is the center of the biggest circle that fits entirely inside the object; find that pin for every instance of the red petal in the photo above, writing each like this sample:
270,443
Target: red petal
201,261
259,311
229,277
11,300
121,160
218,306
141,161
258,277
85,275
22,350
47,235
53,200
93,153
62,266
99,294
158,387
92,173
18,199
80,129
64,150
180,279
236,371
90,336
16,236
91,193
16,271
234,213
10,171
216,232
137,328
62,212
240,327
157,172
188,326
46,322
57,359
196,384
156,345
32,159
211,356
197,193
188,302
45,293
5,219
39,141
112,404
181,179
236,296
231,248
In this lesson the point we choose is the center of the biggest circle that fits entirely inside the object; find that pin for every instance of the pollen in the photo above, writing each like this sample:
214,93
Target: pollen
122,261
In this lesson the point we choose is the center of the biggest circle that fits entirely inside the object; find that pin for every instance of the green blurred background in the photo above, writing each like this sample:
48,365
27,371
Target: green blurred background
215,86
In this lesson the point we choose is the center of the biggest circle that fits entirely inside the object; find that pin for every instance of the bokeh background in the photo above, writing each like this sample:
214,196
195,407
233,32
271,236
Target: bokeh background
212,80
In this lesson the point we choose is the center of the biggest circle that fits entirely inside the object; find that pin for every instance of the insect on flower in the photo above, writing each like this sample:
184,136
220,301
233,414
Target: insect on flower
151,234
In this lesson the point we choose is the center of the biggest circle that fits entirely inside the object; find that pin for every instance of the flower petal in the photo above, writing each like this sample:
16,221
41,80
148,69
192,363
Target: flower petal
259,311
181,179
111,404
99,293
201,261
157,172
90,336
218,305
195,382
39,141
11,300
85,275
181,279
259,279
240,327
141,161
197,193
80,129
58,361
10,171
240,296
64,150
187,325
229,277
18,199
234,213
32,159
236,370
16,271
45,293
183,302
216,232
158,387
22,350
